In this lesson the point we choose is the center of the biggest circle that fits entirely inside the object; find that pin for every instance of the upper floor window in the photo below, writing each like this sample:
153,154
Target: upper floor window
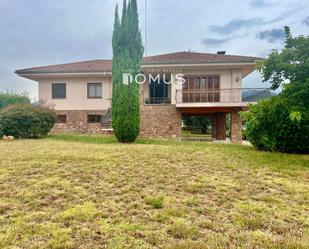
94,90
158,93
206,83
201,89
59,91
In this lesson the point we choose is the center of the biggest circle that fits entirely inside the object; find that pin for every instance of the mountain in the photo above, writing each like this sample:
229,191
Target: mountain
253,95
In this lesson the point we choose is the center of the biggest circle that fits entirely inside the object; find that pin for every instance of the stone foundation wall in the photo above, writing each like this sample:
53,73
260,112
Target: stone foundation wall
157,121
77,122
160,121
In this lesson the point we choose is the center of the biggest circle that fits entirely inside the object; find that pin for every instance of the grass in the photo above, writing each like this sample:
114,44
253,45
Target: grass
155,202
71,191
107,139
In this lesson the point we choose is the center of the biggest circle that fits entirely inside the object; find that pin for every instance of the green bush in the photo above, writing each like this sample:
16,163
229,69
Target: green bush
12,98
26,121
281,123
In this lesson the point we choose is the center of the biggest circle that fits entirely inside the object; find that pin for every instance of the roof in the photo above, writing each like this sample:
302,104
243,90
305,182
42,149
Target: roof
100,66
194,57
75,67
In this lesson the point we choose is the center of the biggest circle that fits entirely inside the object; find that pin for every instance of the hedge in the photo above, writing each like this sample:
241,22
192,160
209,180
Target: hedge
26,121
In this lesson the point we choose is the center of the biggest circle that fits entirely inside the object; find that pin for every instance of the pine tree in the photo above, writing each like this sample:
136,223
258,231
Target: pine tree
127,56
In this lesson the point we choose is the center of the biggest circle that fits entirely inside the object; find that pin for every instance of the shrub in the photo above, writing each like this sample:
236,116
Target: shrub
12,98
281,123
26,121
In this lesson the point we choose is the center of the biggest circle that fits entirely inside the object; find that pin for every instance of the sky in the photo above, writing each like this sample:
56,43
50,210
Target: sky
47,32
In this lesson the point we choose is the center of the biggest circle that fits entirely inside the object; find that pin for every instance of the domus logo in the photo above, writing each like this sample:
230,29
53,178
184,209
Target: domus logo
141,79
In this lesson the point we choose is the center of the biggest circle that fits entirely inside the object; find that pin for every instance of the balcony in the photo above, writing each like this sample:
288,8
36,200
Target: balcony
157,101
221,97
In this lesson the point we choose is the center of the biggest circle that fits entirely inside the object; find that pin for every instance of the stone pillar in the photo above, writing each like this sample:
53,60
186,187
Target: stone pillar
221,126
214,131
236,126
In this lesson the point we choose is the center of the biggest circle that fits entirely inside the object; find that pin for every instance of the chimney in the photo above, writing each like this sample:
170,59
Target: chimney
221,52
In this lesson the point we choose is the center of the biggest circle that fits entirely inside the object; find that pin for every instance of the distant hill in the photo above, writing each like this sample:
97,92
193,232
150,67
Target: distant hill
253,95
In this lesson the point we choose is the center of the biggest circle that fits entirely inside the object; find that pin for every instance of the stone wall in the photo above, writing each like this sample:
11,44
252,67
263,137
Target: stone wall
157,121
160,121
77,122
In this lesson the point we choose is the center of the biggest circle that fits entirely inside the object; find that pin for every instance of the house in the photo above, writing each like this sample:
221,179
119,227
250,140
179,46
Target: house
81,93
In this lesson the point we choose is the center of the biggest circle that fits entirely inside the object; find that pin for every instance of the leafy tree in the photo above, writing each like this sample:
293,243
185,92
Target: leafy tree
200,122
281,123
127,55
11,98
291,64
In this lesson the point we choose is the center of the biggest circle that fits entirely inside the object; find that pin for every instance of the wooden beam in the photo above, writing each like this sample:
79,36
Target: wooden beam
208,110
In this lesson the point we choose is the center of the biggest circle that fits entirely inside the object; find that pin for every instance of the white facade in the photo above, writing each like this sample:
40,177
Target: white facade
76,93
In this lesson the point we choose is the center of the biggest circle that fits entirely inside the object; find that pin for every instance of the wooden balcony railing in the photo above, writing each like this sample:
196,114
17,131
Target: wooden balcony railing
157,101
222,95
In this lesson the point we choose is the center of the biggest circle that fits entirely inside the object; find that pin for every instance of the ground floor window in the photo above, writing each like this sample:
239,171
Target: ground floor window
94,119
61,119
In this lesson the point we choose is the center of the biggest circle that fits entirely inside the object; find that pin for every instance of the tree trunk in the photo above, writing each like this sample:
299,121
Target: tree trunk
204,129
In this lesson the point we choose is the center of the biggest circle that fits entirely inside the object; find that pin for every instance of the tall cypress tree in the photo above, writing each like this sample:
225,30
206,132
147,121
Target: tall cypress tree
127,55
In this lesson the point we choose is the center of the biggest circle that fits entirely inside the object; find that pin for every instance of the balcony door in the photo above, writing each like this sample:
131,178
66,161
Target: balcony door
200,89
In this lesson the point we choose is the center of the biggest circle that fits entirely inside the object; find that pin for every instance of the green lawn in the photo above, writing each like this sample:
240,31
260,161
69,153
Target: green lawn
91,192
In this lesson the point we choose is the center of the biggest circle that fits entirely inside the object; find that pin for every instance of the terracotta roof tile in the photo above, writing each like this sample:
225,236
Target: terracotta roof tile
194,57
106,65
75,67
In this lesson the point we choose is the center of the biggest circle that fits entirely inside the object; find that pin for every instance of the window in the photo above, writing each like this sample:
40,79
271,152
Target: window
94,90
191,83
197,83
203,83
159,92
201,89
61,119
59,91
210,83
216,83
94,119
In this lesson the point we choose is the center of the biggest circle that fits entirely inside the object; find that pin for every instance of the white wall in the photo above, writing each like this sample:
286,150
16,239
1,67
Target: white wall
76,89
76,93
